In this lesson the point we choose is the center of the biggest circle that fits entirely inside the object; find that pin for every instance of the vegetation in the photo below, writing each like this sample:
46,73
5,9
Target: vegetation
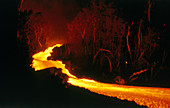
128,49
120,51
32,30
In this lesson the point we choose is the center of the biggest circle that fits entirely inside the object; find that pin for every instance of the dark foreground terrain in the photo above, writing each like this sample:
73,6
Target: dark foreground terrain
22,87
40,89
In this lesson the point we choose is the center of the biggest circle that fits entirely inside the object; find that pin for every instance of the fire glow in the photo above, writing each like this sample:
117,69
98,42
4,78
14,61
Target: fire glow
152,97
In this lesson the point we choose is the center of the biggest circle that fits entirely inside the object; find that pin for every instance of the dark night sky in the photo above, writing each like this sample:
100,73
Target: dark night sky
60,12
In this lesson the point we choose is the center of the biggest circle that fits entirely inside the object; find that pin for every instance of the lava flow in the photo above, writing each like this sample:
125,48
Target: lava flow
152,97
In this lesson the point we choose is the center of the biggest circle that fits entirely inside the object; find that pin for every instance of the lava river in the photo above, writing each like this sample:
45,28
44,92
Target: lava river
152,97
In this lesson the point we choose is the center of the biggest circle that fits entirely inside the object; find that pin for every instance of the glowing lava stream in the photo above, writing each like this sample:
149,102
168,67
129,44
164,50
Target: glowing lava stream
152,97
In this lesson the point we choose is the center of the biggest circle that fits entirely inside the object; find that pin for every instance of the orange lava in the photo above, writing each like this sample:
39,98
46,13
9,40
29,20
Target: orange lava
152,97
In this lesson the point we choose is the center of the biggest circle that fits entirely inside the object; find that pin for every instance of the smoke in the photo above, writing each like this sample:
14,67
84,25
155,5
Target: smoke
57,13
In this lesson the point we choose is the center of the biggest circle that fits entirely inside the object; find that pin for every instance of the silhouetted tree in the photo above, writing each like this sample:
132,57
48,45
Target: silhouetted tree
32,30
129,47
98,27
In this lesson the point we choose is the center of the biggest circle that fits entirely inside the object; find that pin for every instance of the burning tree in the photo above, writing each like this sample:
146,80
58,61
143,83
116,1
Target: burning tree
32,30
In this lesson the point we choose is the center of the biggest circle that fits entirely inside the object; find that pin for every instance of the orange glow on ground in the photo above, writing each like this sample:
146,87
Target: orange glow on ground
152,97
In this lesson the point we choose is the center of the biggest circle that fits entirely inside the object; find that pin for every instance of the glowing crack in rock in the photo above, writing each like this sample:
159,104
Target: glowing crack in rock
153,97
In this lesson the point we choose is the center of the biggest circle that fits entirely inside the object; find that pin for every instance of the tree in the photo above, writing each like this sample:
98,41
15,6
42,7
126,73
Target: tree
133,46
97,28
32,30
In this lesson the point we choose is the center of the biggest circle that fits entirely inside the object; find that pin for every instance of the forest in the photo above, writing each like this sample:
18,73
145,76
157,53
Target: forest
102,44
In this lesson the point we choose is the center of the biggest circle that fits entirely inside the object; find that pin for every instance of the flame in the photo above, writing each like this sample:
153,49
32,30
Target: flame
148,96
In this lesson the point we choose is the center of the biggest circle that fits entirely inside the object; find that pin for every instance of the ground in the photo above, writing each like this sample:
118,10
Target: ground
41,89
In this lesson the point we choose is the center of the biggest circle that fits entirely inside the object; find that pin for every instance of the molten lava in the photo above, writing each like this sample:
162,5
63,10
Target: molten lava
147,96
